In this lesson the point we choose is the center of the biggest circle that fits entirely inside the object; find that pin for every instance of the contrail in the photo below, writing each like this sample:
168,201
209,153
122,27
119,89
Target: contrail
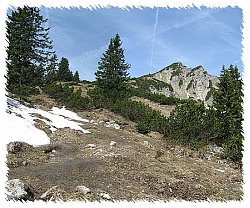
153,41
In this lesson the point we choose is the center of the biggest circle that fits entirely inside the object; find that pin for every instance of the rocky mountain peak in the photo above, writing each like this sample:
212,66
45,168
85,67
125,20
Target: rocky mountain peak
186,82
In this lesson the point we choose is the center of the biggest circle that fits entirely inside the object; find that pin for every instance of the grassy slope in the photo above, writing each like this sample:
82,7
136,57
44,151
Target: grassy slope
128,171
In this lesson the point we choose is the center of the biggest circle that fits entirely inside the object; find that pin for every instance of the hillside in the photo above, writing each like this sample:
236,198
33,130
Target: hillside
103,152
180,81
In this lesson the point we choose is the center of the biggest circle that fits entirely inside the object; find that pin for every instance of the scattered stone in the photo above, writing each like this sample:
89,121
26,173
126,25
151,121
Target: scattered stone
93,122
209,158
221,162
147,144
15,147
112,124
116,126
112,144
24,163
90,146
52,148
100,121
105,196
197,186
215,149
17,190
83,189
101,153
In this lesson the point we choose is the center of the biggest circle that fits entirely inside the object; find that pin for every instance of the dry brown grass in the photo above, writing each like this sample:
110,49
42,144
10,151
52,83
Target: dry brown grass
165,109
129,171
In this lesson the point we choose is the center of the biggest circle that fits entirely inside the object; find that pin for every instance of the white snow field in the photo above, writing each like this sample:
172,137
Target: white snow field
20,123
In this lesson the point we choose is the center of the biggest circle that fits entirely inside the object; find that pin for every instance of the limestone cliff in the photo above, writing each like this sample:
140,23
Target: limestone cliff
184,82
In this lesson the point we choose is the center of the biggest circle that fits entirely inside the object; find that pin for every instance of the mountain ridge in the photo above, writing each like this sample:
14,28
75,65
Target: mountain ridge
182,82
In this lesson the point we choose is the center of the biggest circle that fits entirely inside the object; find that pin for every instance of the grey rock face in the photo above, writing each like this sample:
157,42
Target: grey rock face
17,190
164,91
187,82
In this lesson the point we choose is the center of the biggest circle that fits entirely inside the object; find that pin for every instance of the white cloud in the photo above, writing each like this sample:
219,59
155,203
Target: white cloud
190,16
87,63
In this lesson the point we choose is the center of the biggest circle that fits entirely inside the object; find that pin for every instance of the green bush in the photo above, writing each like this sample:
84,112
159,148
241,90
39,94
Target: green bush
147,118
159,153
190,84
176,73
180,82
192,124
144,84
233,150
67,96
210,93
142,127
23,90
156,97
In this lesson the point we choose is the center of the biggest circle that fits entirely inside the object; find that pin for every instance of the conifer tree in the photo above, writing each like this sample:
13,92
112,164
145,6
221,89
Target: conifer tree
28,48
51,70
64,73
76,77
228,100
112,69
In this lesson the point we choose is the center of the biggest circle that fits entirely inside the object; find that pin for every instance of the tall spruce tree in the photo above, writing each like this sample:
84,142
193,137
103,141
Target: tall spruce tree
228,100
76,77
64,73
112,69
28,50
51,70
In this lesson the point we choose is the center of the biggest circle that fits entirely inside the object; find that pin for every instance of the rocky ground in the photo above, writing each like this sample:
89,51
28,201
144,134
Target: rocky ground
115,163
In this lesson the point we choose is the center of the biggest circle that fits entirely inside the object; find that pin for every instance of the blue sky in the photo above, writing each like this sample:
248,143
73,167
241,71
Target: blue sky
153,38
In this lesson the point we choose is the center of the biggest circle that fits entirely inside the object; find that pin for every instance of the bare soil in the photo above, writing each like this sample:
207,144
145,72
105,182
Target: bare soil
139,167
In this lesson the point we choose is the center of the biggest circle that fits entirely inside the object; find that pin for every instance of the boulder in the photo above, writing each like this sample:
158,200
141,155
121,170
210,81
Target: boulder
90,146
83,189
15,147
105,196
17,190
112,144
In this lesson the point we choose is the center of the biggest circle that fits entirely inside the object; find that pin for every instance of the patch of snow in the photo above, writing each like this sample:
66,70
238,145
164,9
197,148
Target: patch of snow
67,113
19,129
222,171
22,128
